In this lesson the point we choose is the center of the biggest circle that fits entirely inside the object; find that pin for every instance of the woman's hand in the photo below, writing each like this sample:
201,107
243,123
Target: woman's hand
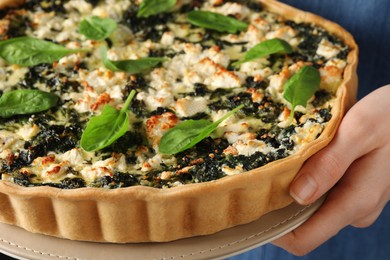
354,168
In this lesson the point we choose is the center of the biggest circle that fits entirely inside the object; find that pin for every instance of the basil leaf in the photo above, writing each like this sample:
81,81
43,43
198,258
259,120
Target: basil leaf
27,51
131,66
301,87
152,7
110,125
188,133
215,21
26,101
273,46
96,28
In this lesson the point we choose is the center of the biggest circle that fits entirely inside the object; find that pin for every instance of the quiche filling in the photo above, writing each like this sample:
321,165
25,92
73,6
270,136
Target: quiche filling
178,70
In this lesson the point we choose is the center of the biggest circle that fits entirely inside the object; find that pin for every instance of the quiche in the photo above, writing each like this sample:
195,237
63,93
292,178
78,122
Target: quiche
152,121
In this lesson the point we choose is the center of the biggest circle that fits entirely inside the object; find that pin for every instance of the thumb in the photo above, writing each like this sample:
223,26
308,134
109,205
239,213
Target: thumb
319,174
322,171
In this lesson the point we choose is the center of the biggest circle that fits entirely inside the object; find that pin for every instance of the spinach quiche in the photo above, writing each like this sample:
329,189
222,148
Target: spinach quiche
145,120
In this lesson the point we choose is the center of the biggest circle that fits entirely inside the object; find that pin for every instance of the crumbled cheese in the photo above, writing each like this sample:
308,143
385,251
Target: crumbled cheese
332,74
307,133
10,140
285,33
327,49
111,9
76,158
81,6
10,76
189,106
232,171
157,125
28,131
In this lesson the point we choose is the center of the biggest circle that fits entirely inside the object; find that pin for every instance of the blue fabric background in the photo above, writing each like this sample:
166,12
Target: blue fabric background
369,22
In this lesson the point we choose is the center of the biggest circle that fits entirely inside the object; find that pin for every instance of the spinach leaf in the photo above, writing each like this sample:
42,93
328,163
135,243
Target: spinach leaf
106,128
301,87
273,46
152,7
25,101
27,51
188,133
131,66
215,21
96,28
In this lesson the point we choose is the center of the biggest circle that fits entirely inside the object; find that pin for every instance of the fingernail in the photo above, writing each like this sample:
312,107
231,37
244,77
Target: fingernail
303,189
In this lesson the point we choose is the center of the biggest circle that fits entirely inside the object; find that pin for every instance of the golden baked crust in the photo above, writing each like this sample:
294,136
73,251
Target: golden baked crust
143,214
10,3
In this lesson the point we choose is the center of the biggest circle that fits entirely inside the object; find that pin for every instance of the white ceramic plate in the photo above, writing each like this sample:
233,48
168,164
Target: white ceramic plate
21,244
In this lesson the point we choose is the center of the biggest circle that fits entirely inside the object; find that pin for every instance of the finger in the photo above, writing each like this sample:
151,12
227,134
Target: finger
337,212
368,220
322,171
372,194
351,201
324,224
319,174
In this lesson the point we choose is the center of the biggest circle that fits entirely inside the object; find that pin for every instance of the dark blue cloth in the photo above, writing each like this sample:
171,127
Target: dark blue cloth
369,22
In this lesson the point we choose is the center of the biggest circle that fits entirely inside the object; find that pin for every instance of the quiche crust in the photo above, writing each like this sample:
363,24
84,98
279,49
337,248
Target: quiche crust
143,214
10,3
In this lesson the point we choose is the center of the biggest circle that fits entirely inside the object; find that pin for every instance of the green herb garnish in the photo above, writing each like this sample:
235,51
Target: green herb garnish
152,7
301,87
215,21
27,51
96,28
110,125
131,66
273,46
25,101
188,133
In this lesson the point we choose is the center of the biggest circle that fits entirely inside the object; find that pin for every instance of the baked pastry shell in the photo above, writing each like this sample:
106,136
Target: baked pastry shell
144,214
10,3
